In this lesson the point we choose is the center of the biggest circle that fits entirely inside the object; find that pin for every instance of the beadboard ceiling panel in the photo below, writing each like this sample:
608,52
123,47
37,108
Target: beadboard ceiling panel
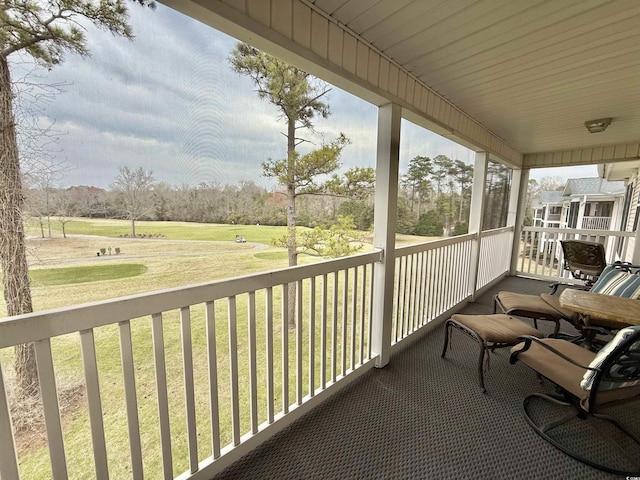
531,71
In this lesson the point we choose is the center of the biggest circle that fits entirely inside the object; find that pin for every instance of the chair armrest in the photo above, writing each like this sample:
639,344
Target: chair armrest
528,340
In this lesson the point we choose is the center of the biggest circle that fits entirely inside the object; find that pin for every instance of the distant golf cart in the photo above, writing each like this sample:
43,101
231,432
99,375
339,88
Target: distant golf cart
240,239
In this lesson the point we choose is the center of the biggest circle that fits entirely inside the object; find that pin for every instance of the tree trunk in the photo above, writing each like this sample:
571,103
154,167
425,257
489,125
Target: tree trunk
292,246
13,255
133,227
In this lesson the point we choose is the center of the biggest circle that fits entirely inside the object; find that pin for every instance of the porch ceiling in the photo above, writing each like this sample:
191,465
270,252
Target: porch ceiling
532,71
516,78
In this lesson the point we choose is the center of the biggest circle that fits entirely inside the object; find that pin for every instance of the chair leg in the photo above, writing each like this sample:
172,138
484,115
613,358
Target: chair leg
447,329
544,429
449,324
483,352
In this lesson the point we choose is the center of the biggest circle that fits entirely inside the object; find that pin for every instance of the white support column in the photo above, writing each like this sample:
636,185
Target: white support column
581,208
517,213
384,228
475,216
635,256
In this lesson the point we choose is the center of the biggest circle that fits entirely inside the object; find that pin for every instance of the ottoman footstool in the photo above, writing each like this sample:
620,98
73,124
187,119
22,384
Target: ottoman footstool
491,332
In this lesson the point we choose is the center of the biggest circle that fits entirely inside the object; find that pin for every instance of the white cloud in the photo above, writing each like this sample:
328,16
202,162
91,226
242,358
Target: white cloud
169,102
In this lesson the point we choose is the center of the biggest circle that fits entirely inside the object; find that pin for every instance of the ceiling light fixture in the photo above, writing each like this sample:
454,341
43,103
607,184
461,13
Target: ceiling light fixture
596,126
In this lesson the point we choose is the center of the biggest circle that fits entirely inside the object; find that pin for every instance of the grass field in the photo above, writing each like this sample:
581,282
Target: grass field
68,271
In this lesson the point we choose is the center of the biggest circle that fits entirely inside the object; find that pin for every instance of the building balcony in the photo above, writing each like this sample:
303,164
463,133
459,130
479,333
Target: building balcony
596,223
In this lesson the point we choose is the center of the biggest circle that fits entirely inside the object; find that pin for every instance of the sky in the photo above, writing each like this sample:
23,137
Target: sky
169,102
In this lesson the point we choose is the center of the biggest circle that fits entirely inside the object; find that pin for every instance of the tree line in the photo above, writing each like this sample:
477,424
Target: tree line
434,200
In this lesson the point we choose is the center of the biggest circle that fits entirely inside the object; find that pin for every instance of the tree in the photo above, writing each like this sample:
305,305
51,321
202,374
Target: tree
299,98
45,31
339,240
134,188
43,177
361,212
464,176
65,208
429,224
417,181
497,189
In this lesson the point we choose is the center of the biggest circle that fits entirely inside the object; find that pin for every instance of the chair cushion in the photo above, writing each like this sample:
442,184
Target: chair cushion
533,306
555,368
497,328
608,384
554,302
567,375
617,283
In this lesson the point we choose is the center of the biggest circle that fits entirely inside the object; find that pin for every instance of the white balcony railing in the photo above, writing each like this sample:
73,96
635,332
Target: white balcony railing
541,255
596,223
431,278
200,375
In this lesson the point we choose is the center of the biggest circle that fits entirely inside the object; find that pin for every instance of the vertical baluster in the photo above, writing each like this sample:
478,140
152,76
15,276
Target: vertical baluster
269,353
163,399
334,329
253,369
354,306
212,361
363,296
409,297
449,276
299,342
285,349
9,457
430,285
49,393
312,335
403,293
396,298
423,290
441,280
233,369
189,388
414,294
94,402
345,309
459,252
405,296
523,241
370,332
323,335
533,245
453,268
552,245
133,423
436,282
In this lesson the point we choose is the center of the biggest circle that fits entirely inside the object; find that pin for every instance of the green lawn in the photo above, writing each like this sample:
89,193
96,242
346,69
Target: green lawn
170,230
67,271
93,273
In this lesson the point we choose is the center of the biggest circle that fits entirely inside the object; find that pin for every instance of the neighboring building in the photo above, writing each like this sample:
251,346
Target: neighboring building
591,203
585,203
547,210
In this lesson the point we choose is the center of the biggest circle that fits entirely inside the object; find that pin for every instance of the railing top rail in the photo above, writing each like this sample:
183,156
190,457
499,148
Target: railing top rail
36,326
432,245
576,231
496,231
